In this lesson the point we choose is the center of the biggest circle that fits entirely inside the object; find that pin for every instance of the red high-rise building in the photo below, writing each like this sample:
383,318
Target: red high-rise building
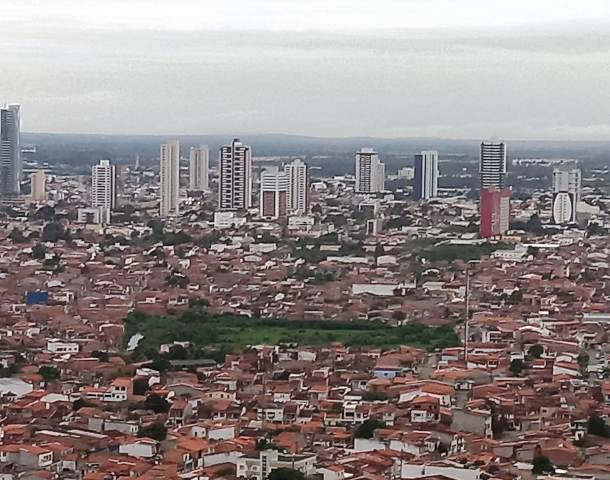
495,212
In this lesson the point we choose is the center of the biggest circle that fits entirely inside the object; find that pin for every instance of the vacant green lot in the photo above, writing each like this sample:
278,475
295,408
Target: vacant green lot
228,331
449,253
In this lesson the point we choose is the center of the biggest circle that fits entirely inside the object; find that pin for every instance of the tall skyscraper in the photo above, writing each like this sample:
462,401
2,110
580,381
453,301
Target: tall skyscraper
492,167
103,189
10,150
38,182
235,188
495,212
274,192
425,180
169,156
370,172
566,194
297,200
199,165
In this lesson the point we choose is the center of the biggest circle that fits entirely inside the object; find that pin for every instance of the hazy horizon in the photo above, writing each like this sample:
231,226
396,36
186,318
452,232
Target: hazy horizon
244,136
335,69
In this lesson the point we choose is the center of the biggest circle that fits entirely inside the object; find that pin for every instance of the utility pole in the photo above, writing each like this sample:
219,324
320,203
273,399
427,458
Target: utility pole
467,312
467,309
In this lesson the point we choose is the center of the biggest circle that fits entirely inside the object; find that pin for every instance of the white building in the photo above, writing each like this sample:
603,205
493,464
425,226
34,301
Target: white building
170,179
449,471
89,216
59,346
258,465
492,166
199,166
408,173
103,189
425,181
274,193
38,181
301,223
235,186
566,194
370,172
139,448
224,220
297,200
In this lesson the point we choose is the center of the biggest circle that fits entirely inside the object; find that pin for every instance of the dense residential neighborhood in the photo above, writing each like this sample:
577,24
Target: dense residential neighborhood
368,337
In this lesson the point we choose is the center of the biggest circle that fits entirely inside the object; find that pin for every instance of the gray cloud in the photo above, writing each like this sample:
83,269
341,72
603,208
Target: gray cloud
530,80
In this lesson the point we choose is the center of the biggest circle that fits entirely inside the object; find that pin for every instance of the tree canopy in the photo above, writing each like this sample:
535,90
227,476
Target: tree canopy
367,428
285,474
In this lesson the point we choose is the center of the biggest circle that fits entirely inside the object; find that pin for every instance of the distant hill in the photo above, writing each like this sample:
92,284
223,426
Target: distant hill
84,150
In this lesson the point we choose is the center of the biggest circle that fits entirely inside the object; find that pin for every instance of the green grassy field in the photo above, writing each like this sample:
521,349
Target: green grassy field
203,329
450,253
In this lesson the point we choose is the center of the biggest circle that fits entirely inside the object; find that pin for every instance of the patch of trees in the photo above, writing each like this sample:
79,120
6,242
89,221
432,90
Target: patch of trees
49,373
156,431
542,464
598,426
285,474
367,428
156,403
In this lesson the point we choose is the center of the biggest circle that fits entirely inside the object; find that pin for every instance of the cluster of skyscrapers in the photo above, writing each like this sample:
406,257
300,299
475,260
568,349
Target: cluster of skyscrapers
285,190
495,197
282,190
370,173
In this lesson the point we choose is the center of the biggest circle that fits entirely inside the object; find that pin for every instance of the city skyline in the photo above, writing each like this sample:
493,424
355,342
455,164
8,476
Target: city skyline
405,62
394,287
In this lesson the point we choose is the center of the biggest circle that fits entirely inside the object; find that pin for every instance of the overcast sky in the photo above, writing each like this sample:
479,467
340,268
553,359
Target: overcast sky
522,69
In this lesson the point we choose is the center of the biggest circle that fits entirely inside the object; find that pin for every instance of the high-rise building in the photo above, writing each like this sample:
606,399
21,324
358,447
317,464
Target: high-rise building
235,188
274,193
492,166
297,200
370,172
10,150
199,165
169,156
103,189
495,212
38,183
566,194
425,180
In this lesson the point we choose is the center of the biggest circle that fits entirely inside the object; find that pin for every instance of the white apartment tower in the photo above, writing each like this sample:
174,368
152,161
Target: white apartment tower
103,189
274,193
235,187
370,172
425,180
297,200
199,165
38,182
492,166
169,173
566,194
